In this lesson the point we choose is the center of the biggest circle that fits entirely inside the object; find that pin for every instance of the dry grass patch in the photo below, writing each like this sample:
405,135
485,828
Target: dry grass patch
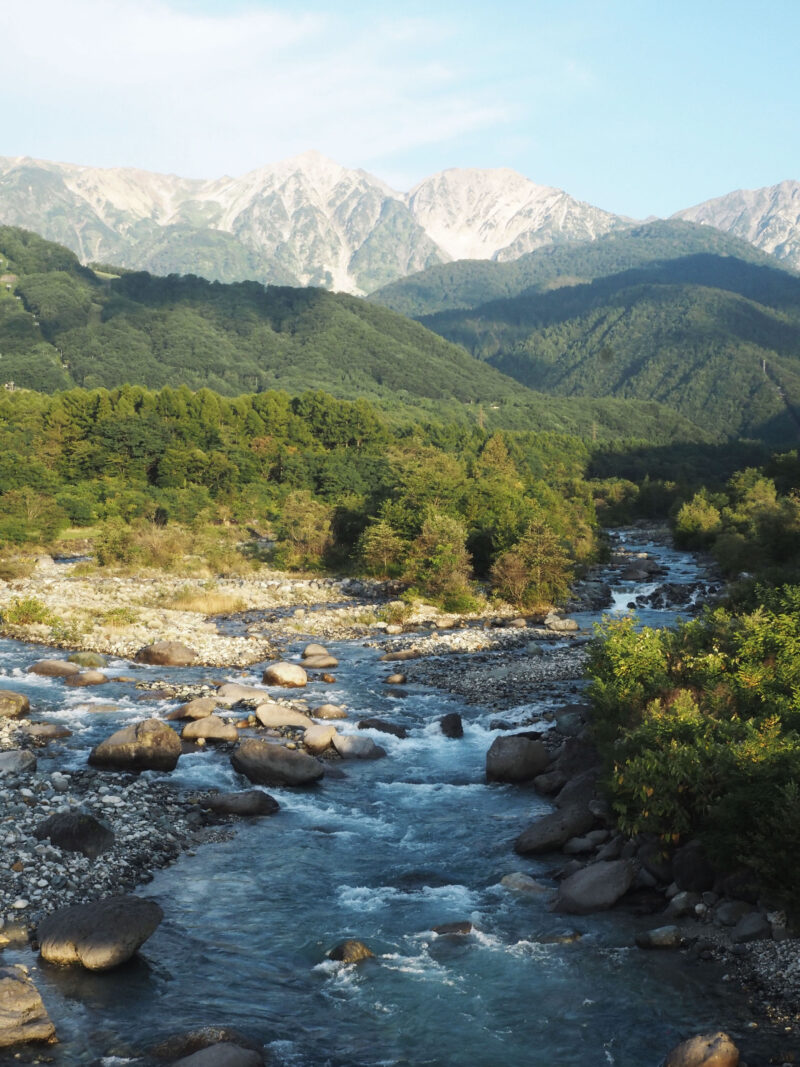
206,602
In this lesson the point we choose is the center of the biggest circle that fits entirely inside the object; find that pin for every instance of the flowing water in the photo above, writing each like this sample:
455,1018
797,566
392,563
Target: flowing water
398,846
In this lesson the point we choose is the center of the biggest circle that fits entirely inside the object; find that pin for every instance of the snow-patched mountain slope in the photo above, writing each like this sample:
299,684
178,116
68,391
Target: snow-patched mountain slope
769,218
305,220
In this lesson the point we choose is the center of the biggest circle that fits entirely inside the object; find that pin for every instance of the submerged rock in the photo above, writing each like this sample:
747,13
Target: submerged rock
23,1017
98,936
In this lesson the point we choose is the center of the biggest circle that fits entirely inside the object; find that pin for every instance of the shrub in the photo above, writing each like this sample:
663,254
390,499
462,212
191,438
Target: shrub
26,611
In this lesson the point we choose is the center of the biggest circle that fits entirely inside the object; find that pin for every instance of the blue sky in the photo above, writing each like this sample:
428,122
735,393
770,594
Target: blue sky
639,107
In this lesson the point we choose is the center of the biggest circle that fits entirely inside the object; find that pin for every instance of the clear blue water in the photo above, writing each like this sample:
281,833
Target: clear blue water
398,846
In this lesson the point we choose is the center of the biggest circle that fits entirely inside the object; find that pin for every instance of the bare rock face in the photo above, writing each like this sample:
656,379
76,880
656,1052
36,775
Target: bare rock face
350,952
23,1017
210,728
167,654
288,675
13,705
515,759
266,764
76,832
276,715
148,745
704,1050
53,668
98,936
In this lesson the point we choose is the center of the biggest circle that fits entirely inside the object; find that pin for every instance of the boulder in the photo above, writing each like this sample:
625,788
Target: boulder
222,1054
350,952
91,660
383,727
329,711
552,831
167,654
247,802
47,731
691,869
595,888
661,937
729,912
13,705
454,929
232,693
752,927
199,708
23,1017
522,883
318,737
210,728
287,675
354,746
86,678
17,761
53,668
705,1050
683,903
76,831
268,764
395,679
451,725
144,746
578,792
398,657
559,624
196,1040
514,758
320,663
98,936
273,716
314,650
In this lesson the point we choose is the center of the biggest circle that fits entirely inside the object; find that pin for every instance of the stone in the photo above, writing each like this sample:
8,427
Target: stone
559,624
691,869
552,831
86,678
457,929
595,888
100,935
274,716
652,857
451,725
660,937
23,1017
317,738
17,761
13,705
578,792
47,731
247,802
682,903
514,758
167,654
395,679
329,711
92,660
383,727
399,657
704,1050
196,1040
210,728
320,663
232,693
350,951
354,746
222,1054
143,746
577,846
522,883
314,650
287,675
199,708
752,927
267,764
76,831
53,668
729,912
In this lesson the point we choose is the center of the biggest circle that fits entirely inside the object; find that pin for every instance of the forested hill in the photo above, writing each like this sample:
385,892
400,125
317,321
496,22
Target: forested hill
471,283
714,337
63,325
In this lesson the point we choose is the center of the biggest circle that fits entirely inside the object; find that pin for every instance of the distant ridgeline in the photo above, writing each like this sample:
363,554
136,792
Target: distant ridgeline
669,311
62,325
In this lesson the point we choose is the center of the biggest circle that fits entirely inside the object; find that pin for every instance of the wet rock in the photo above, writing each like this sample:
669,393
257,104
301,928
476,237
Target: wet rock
514,758
17,761
274,716
751,927
47,731
76,831
148,745
384,727
329,711
98,936
286,675
353,746
729,912
660,937
595,888
320,663
552,831
451,725
53,668
681,904
395,679
522,883
454,929
222,1054
578,792
399,657
246,802
691,869
23,1017
198,708
86,678
210,728
92,660
350,951
705,1050
196,1040
267,764
167,654
317,738
13,705
232,693
314,650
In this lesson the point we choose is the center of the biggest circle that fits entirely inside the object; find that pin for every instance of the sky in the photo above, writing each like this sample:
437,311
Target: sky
641,107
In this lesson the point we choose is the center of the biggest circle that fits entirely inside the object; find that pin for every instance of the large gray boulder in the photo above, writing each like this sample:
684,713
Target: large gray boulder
552,831
286,675
704,1050
76,831
149,745
267,764
595,888
514,758
23,1017
98,936
275,716
167,654
210,728
13,705
53,668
